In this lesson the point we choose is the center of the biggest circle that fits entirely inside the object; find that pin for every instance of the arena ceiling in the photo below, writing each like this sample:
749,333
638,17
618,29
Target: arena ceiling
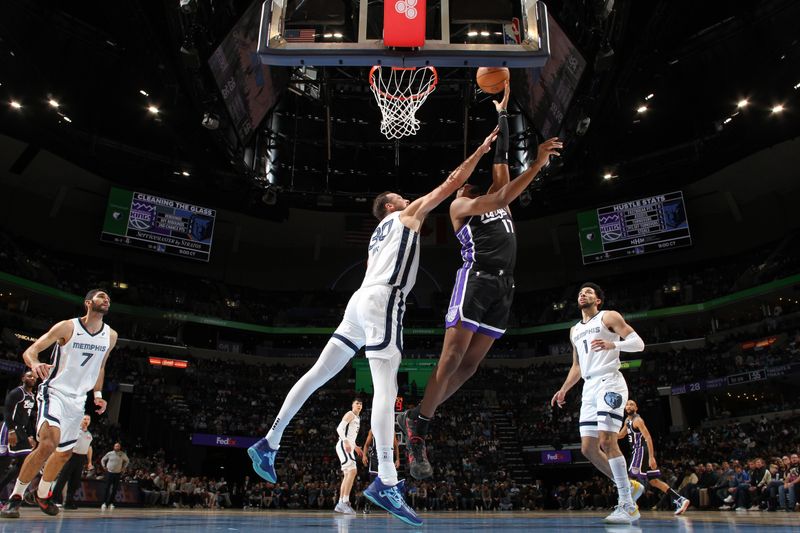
105,64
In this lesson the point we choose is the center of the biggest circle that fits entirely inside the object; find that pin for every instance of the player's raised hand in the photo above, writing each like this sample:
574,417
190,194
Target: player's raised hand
41,370
550,147
101,404
559,398
503,104
486,146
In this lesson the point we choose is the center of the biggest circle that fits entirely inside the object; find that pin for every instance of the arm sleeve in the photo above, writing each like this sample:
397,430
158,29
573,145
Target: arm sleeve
501,146
12,398
104,461
632,343
341,429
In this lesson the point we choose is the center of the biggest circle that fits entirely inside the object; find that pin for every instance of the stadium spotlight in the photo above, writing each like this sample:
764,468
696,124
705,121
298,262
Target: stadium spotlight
649,97
153,110
742,103
53,103
641,109
777,109
15,104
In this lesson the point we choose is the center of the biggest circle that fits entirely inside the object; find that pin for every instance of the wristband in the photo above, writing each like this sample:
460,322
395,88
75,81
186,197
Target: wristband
98,394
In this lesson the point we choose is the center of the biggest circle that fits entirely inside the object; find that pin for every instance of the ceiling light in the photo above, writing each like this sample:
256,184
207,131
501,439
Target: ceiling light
641,109
328,35
185,173
727,120
472,34
53,103
337,35
797,85
607,176
742,103
153,109
484,34
15,104
778,108
649,96
143,92
65,117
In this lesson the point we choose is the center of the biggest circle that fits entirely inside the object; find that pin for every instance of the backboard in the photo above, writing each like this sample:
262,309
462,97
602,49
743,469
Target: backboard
461,33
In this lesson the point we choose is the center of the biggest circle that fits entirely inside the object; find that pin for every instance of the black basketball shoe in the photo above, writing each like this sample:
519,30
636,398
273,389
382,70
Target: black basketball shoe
47,505
11,508
419,466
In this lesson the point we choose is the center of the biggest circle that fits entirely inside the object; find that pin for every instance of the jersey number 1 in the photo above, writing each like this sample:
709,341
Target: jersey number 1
586,346
88,355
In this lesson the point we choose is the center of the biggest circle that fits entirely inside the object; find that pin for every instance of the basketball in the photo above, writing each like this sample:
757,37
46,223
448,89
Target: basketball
492,79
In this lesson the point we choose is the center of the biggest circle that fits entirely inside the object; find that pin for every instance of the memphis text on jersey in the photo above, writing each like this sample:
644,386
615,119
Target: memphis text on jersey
90,347
585,332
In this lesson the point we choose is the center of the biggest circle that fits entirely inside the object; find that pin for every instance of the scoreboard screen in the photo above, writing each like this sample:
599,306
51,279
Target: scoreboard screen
633,228
142,220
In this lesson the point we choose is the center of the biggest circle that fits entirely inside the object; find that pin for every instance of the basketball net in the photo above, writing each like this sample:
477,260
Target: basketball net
400,92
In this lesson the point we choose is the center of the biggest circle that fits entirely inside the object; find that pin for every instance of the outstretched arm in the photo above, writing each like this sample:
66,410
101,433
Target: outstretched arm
464,207
414,215
500,175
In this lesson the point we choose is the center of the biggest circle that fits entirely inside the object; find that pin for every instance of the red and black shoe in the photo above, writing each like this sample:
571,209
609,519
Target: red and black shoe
11,508
419,466
47,505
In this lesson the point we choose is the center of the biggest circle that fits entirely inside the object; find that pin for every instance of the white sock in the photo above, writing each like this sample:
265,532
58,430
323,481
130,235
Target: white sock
44,488
384,379
620,470
20,487
331,361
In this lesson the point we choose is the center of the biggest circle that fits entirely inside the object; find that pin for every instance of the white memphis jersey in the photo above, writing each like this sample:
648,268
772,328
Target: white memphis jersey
351,429
76,365
593,363
393,255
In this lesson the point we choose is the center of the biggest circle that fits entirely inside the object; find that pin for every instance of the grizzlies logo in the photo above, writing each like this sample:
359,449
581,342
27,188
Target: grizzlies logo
613,400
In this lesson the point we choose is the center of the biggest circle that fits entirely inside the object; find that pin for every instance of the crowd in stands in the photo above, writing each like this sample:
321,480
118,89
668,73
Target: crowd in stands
174,291
742,465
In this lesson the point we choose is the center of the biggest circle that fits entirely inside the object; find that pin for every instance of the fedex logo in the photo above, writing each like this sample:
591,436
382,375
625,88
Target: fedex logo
556,456
227,441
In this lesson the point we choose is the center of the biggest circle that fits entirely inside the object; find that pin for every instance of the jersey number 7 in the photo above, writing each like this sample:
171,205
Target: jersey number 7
88,355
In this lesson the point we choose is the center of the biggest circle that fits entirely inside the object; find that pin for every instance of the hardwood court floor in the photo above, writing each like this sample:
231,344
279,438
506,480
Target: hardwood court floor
176,520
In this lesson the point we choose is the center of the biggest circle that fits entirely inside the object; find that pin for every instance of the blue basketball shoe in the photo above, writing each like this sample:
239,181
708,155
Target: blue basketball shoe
263,460
391,499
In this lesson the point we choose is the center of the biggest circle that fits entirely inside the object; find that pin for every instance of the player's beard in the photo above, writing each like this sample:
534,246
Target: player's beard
98,308
585,305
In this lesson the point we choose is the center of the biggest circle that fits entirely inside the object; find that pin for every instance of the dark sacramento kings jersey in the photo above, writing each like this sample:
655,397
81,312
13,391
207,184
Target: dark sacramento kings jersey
635,437
18,408
488,242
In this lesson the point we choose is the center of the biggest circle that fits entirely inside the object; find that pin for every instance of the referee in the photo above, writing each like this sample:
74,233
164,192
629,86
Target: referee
70,475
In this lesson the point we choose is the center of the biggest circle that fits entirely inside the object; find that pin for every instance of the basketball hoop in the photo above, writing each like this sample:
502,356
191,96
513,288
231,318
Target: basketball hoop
400,91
